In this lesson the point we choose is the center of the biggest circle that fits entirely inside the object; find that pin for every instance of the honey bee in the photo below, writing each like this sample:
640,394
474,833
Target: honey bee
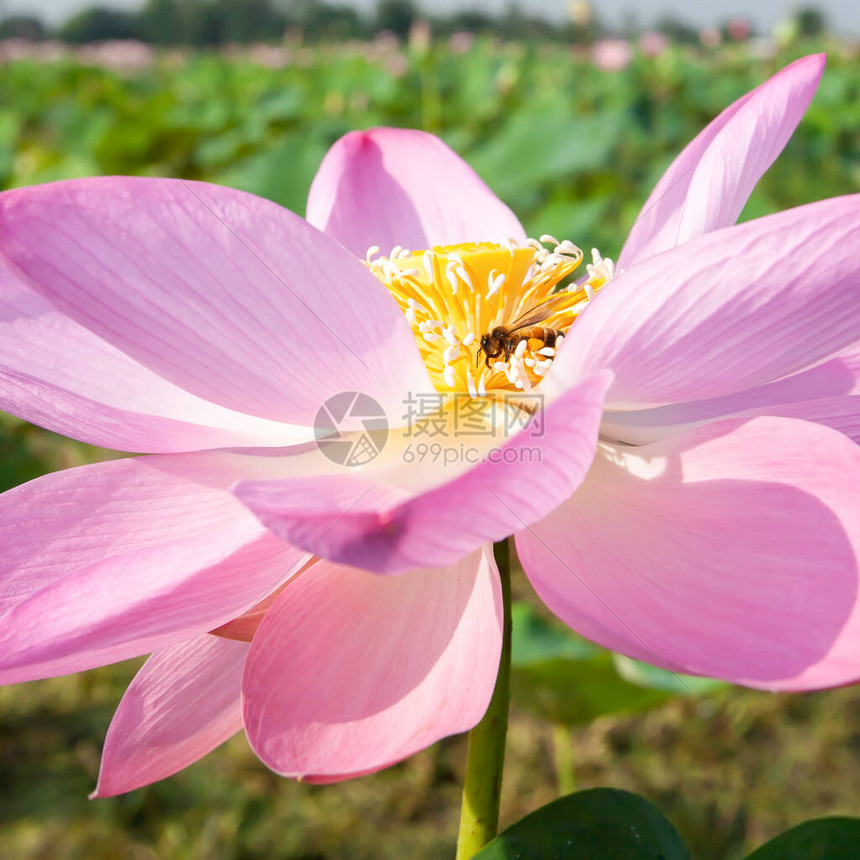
503,340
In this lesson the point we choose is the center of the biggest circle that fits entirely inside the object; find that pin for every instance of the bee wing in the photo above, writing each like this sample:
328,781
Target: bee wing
537,313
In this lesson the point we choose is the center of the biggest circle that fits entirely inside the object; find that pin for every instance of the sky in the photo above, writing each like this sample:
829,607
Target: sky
843,15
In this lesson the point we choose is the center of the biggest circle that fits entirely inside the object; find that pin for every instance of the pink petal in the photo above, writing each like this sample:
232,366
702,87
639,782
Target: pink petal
56,373
827,393
227,295
393,186
708,184
106,562
735,309
730,551
243,628
840,413
183,703
351,672
379,526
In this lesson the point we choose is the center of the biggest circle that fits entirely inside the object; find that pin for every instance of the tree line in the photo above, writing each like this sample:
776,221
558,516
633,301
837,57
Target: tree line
210,23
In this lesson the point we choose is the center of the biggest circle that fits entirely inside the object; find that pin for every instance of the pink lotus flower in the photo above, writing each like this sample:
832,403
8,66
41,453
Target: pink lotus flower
652,43
612,55
694,503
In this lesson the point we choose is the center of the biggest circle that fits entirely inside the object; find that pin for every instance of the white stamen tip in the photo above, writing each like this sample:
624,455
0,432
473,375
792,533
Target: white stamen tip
450,376
473,392
465,276
567,247
452,277
522,346
495,283
469,339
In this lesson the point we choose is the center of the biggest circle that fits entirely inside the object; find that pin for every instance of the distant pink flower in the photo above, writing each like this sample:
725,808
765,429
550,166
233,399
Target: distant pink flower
612,55
461,42
694,503
270,56
710,37
653,43
119,55
739,28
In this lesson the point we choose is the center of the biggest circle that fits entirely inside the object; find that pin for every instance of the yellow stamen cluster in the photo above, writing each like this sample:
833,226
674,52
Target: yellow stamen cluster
453,296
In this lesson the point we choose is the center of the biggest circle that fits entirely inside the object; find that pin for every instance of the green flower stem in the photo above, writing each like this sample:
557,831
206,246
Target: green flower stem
479,814
563,759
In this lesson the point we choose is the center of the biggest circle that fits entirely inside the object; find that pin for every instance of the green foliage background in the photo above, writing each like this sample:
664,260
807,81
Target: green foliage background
574,151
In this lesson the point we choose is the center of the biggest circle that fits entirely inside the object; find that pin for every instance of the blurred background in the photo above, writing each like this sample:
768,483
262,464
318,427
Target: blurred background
570,112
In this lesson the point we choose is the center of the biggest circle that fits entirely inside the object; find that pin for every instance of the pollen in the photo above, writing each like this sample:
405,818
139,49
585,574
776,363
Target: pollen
490,317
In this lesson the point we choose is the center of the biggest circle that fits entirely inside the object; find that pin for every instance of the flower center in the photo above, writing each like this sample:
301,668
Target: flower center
489,316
